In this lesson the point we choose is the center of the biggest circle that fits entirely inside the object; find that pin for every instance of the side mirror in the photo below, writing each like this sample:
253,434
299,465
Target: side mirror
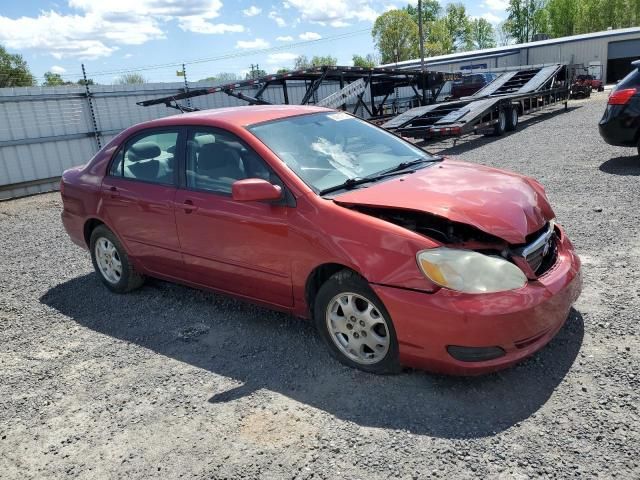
255,190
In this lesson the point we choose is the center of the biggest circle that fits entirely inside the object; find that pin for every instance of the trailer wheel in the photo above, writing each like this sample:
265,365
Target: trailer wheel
512,119
501,126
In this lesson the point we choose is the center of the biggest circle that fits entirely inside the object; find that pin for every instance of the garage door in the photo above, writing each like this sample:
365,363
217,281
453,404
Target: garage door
621,54
624,49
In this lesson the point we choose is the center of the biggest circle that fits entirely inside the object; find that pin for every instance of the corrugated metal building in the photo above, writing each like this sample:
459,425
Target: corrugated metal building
45,130
607,54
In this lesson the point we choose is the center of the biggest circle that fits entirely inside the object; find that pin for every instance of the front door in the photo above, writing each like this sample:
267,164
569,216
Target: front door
237,247
138,196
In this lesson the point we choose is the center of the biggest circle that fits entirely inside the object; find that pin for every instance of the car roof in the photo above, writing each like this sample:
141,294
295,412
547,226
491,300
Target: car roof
235,116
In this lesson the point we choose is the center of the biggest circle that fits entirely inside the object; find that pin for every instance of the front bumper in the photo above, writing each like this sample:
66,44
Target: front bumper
520,322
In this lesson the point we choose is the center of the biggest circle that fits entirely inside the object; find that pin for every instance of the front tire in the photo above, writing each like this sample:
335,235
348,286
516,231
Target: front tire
355,324
111,262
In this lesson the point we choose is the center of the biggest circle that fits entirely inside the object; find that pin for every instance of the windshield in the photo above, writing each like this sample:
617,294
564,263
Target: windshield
326,149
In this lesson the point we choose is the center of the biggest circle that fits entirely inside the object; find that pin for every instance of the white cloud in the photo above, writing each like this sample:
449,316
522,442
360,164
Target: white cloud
286,38
281,58
498,5
491,18
98,28
309,36
336,13
200,25
250,44
252,11
273,15
57,69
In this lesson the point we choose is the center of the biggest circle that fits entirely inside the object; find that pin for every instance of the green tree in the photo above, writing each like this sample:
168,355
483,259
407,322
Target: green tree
14,71
430,11
503,36
89,81
54,80
322,60
283,70
482,34
563,15
439,39
396,36
130,79
303,61
255,73
222,77
459,26
525,19
368,61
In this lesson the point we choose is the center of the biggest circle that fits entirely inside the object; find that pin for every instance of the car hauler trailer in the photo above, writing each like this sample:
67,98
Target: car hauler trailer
352,85
495,108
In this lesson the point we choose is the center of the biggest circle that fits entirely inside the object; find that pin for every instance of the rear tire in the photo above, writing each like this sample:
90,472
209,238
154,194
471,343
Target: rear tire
501,126
111,262
355,324
512,119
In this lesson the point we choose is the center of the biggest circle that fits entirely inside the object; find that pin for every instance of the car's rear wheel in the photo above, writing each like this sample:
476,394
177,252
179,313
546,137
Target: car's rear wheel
355,325
111,262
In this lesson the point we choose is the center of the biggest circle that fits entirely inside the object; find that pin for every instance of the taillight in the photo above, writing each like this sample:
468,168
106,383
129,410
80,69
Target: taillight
622,97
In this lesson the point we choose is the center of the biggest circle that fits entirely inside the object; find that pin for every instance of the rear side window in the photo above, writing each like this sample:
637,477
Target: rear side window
148,158
630,81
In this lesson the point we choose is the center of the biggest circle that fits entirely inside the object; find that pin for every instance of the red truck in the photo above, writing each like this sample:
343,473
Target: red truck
591,81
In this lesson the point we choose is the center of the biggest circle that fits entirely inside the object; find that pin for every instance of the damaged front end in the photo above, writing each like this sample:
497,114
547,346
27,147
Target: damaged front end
534,257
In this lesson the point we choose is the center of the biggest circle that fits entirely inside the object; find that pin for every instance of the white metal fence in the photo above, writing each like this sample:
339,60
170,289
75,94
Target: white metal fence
45,130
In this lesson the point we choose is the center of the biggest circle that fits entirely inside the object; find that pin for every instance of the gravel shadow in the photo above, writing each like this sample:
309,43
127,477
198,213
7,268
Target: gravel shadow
268,350
622,166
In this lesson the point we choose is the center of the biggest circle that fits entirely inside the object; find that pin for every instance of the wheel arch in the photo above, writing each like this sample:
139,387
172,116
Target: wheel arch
318,276
89,226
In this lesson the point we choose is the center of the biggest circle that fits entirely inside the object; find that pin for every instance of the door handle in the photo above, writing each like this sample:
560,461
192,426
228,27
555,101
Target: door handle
113,191
189,207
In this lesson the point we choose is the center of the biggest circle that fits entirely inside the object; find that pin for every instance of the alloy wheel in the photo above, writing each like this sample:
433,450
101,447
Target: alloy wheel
357,328
108,260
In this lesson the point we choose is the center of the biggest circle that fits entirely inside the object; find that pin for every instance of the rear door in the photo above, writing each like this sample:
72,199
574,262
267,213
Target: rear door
138,195
237,247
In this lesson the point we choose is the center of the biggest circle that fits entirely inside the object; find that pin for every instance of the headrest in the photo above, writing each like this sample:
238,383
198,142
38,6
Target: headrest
204,139
216,155
145,150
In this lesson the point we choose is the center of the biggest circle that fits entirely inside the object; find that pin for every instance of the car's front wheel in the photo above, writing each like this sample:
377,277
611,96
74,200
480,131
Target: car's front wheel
355,325
111,262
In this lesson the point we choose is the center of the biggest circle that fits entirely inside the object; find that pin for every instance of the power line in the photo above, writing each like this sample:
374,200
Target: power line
224,56
229,55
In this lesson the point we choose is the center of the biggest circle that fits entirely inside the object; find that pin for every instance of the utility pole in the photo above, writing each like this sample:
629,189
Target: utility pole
422,69
186,84
92,110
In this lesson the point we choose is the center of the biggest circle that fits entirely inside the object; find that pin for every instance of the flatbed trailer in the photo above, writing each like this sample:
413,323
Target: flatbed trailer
495,108
353,82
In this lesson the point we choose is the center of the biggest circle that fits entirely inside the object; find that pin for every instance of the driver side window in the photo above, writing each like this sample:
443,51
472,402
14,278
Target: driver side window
217,159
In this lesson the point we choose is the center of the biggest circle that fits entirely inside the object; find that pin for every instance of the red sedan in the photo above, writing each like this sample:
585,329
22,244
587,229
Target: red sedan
399,257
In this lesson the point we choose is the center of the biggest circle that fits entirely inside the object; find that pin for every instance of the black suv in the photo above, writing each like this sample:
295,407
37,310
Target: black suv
620,125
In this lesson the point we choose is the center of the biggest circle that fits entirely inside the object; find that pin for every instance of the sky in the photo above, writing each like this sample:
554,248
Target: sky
153,37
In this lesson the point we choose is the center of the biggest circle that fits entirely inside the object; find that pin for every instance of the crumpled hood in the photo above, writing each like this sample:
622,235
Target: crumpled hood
503,204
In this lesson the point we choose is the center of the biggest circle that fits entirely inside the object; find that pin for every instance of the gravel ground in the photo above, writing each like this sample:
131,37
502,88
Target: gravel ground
171,382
